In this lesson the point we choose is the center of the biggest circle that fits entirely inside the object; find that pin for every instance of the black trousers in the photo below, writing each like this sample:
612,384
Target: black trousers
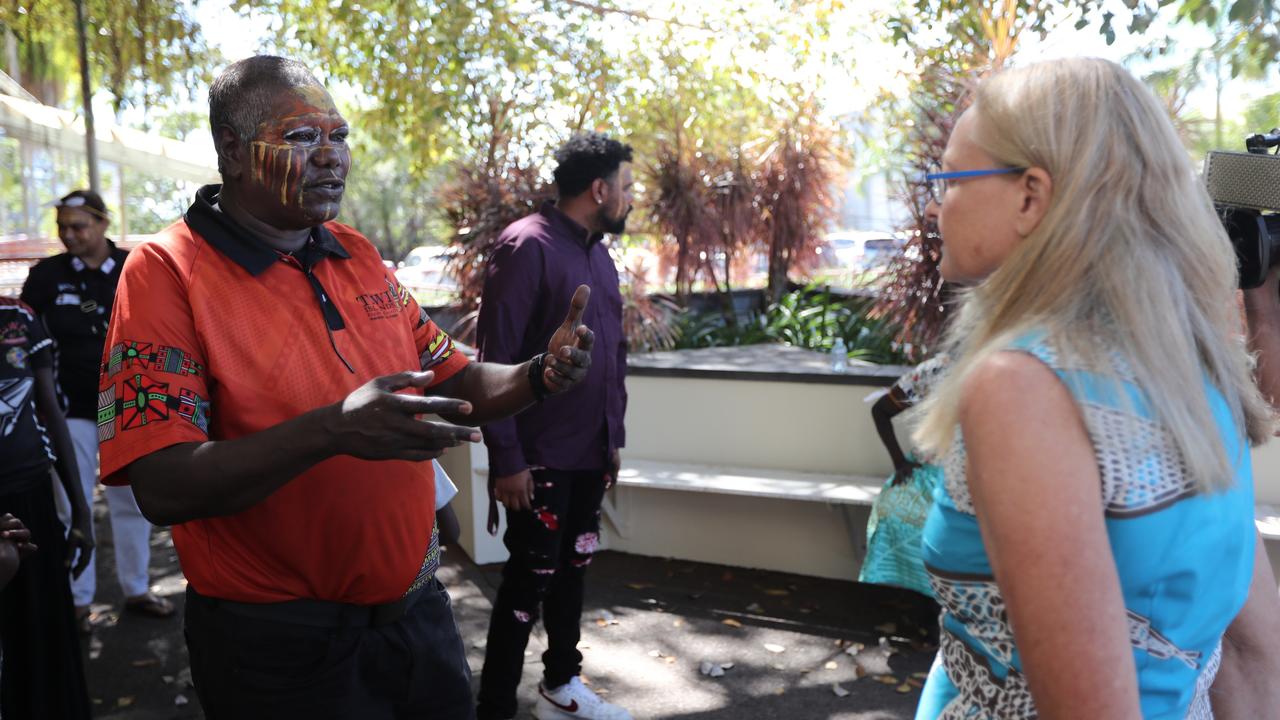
550,548
43,676
248,667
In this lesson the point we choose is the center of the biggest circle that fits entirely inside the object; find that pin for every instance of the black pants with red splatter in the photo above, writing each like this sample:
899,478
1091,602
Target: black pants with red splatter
550,548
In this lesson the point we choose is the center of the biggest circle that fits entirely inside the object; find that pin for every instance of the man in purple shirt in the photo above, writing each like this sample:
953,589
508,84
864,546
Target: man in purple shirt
550,465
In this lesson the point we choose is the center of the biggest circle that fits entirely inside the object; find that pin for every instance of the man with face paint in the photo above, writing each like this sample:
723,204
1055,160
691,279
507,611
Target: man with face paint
262,392
551,465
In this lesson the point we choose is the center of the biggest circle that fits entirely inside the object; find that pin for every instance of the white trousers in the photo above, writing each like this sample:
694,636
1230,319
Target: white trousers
130,531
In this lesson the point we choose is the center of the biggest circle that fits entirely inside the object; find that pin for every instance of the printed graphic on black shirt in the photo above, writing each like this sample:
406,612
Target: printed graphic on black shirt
24,443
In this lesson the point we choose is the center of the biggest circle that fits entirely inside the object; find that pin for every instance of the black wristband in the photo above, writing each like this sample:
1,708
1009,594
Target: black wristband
536,382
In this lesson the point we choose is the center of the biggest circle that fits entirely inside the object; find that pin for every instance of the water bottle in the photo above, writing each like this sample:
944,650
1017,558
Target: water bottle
839,356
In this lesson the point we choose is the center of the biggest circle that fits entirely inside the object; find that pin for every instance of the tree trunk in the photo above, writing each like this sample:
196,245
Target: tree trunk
682,271
779,265
86,94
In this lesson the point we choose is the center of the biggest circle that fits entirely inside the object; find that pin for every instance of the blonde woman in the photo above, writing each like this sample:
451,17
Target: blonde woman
1094,540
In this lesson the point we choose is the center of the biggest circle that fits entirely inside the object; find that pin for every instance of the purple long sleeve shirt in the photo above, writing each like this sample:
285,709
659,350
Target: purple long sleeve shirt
537,264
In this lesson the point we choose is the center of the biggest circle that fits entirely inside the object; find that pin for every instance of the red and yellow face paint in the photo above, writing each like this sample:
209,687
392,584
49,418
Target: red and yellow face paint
299,156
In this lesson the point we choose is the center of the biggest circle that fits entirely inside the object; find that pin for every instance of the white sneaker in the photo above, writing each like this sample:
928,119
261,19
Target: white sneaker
575,700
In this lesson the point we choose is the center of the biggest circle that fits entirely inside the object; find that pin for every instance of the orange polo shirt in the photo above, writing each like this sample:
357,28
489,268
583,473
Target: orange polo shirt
215,336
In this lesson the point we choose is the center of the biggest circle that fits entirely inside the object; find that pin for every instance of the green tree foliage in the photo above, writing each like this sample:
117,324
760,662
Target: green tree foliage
454,77
143,53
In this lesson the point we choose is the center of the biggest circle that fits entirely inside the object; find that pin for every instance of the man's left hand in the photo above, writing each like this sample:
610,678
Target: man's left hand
611,472
569,351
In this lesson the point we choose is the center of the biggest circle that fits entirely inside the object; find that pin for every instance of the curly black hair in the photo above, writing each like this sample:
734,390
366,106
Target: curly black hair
586,157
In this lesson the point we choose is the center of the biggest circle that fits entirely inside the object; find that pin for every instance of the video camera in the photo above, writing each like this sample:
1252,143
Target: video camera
1245,187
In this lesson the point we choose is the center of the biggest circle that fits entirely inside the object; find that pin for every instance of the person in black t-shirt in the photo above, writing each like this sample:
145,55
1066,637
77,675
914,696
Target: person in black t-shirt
73,293
42,675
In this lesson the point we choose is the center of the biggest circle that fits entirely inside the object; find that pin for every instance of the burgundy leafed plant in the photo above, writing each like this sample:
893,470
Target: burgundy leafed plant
479,204
796,174
679,210
910,289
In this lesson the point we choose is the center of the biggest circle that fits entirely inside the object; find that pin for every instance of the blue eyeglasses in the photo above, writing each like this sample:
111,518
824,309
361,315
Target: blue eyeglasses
937,182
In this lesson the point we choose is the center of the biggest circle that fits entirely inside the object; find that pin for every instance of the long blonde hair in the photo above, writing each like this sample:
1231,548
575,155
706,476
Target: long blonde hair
1130,259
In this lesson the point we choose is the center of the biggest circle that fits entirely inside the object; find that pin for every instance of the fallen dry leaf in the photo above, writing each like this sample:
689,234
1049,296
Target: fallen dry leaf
639,586
831,665
145,662
731,622
875,660
854,649
904,688
777,592
887,679
921,675
670,660
125,701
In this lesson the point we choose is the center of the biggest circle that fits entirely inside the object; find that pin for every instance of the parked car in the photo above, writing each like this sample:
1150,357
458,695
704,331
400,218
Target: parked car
861,251
423,271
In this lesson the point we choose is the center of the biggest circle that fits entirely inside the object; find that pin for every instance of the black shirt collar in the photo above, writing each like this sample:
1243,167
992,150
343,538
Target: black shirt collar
231,239
569,226
111,266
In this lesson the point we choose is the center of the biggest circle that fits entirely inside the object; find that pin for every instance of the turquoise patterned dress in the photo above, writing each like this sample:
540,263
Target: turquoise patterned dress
1185,560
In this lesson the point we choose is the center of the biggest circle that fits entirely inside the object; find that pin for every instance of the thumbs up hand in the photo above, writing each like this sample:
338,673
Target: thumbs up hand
569,351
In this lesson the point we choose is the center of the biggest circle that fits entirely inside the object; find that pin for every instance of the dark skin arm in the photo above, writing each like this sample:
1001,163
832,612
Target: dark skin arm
498,391
79,539
191,481
198,480
883,412
504,390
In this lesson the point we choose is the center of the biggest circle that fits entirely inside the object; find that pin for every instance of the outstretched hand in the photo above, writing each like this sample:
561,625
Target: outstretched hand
375,422
569,351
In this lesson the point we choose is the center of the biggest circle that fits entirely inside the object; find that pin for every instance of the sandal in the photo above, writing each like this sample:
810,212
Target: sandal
151,605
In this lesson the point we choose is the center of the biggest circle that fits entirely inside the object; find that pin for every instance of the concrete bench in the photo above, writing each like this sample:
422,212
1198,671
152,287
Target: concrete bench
750,482
744,516
1267,518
